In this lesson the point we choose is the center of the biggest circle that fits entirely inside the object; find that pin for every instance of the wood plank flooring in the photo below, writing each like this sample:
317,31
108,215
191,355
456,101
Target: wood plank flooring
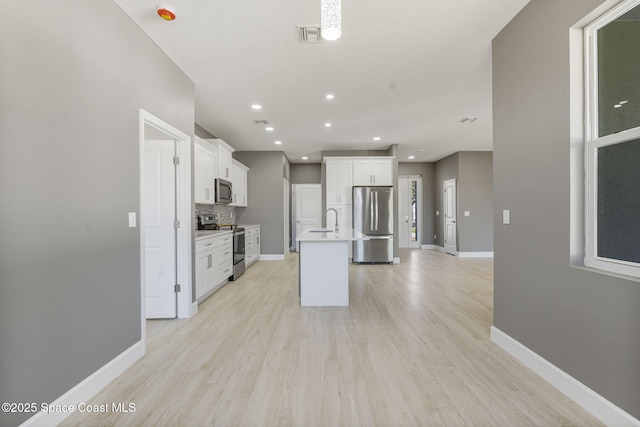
413,348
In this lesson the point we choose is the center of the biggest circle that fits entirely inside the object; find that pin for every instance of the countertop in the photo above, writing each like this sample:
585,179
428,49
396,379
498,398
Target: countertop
343,234
202,234
248,225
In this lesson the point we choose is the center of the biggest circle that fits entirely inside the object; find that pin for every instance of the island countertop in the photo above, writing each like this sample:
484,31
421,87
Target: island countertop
343,235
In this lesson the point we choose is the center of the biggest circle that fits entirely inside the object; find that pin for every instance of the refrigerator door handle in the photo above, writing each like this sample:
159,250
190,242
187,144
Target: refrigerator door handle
371,206
377,210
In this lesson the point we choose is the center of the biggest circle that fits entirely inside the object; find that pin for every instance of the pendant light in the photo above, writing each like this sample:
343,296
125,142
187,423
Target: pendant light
331,19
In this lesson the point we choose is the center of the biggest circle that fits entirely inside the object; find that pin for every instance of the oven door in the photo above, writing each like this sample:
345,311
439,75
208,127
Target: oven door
238,247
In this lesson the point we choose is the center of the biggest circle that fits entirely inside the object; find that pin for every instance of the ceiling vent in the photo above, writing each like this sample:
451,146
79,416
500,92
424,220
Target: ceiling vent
260,122
309,34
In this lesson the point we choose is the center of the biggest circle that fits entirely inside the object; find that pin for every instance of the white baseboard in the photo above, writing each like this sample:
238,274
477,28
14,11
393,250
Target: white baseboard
439,248
475,254
88,387
271,257
591,401
427,246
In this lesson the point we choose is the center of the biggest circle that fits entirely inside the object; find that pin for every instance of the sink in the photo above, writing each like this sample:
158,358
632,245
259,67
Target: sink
320,230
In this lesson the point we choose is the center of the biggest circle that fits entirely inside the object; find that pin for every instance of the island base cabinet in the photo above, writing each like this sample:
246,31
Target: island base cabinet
324,273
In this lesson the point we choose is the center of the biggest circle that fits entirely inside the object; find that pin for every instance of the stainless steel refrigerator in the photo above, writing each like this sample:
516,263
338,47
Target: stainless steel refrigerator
373,216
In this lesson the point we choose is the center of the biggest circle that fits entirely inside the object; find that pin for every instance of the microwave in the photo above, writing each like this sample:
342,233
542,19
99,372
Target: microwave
223,191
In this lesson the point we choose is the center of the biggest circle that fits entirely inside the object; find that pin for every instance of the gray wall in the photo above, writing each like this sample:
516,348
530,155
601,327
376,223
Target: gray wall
265,192
427,171
445,169
202,132
475,195
306,173
73,75
586,323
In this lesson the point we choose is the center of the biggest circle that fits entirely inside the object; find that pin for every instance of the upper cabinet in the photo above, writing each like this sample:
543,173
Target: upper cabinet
205,171
212,159
224,151
339,180
373,171
239,174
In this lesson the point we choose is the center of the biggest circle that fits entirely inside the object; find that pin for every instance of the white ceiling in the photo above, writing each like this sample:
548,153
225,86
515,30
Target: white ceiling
405,70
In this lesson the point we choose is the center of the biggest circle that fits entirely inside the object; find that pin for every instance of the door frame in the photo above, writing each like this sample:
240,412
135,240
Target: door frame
418,179
186,307
455,219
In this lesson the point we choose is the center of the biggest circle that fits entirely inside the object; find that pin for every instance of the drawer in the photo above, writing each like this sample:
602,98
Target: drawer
213,242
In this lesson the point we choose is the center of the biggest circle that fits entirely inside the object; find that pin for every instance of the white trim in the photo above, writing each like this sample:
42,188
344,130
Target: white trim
439,248
89,387
271,257
183,214
593,142
427,246
591,401
396,260
475,254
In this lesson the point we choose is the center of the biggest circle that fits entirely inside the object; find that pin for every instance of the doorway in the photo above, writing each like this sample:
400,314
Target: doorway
307,208
165,220
287,214
450,226
409,211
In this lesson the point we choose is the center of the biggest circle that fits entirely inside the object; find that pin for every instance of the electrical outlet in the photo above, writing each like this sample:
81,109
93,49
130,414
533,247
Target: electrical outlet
434,237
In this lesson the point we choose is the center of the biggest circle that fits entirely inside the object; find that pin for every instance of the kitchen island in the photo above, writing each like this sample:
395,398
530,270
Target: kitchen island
324,266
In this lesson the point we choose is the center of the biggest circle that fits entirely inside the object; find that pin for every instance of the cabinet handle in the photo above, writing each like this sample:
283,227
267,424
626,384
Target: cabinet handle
209,261
209,244
226,253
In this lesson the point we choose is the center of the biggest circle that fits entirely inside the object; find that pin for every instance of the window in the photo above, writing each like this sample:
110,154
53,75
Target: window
612,165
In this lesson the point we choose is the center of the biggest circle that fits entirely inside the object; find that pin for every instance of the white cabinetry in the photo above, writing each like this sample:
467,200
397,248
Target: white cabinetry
223,151
339,180
239,183
214,263
373,171
252,244
205,171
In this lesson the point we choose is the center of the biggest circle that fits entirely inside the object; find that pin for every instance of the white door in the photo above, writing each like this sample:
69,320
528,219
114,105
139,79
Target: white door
159,229
287,213
409,211
404,214
307,212
450,245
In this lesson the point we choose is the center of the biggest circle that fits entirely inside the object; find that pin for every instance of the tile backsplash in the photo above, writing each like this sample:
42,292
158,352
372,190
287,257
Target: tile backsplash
226,214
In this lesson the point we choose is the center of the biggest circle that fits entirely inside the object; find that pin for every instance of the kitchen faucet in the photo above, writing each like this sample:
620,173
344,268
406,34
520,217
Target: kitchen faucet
336,212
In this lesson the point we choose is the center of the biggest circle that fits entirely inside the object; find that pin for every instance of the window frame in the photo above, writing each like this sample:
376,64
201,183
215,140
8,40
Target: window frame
593,142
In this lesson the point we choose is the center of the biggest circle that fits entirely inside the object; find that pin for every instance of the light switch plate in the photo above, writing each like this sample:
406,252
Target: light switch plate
132,220
437,212
506,216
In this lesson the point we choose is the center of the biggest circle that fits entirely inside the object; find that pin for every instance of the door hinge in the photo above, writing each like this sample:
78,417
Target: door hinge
177,288
176,224
176,160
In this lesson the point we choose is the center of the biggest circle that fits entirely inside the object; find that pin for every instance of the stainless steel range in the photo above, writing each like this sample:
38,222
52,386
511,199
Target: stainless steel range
210,222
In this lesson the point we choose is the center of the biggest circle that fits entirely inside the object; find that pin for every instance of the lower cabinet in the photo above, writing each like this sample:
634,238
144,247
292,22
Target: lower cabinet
214,262
252,245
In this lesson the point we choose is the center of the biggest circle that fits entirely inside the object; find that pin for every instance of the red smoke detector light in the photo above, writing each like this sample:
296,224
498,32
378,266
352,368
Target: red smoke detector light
166,14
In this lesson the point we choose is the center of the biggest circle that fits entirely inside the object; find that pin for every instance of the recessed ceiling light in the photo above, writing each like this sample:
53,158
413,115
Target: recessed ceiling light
411,157
256,107
329,96
305,158
278,142
269,129
376,138
327,125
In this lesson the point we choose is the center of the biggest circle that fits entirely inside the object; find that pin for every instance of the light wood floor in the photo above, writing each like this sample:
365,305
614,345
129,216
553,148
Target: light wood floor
413,348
